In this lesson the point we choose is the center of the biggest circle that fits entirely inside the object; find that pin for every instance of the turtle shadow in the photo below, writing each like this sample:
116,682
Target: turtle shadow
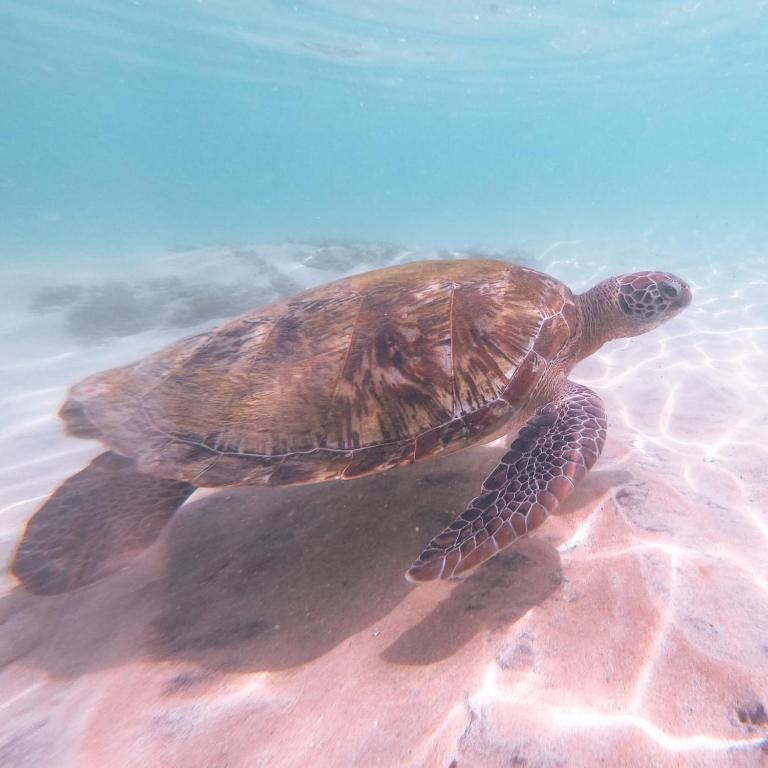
323,563
502,590
596,486
269,579
496,595
320,564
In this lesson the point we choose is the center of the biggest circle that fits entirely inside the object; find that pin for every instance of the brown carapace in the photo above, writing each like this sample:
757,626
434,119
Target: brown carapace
368,373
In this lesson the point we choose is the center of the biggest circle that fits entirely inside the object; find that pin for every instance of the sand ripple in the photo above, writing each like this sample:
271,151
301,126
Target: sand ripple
274,627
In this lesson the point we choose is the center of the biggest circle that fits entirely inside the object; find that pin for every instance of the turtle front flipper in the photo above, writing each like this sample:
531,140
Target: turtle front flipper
552,453
94,523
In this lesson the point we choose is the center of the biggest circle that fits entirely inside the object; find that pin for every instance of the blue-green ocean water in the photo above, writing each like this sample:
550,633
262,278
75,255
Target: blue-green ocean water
167,164
130,125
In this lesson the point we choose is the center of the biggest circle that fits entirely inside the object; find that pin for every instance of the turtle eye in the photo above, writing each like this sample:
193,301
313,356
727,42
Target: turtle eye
670,289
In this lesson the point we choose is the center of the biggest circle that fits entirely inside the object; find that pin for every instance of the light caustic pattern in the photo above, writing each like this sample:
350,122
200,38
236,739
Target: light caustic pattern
675,553
630,630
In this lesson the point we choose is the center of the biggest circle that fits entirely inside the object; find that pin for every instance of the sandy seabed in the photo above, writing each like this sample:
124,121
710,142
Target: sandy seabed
273,627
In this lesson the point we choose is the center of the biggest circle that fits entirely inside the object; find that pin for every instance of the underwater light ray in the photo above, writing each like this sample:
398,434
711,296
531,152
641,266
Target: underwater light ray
586,718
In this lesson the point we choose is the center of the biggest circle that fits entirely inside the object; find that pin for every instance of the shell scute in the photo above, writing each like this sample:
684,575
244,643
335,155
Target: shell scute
366,373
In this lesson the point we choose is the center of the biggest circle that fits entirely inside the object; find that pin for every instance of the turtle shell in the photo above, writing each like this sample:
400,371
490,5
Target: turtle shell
353,377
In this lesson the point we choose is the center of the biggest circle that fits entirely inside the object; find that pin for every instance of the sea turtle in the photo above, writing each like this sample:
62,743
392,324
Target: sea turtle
364,374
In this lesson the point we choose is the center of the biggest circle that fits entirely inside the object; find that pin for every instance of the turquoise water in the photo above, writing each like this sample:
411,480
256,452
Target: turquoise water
130,125
168,164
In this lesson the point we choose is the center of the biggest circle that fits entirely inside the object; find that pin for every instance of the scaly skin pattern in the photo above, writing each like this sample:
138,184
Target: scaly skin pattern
552,453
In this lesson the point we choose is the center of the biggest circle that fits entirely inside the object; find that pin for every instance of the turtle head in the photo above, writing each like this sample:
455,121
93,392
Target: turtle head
635,303
641,301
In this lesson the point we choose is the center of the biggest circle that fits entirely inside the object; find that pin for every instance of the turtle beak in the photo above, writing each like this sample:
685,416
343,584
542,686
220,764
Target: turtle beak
686,297
676,291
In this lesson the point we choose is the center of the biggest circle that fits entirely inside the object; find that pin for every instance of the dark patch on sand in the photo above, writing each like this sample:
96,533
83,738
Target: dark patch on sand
96,312
752,714
187,682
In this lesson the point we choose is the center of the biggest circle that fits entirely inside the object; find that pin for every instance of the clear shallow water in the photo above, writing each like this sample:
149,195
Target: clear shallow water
164,166
131,125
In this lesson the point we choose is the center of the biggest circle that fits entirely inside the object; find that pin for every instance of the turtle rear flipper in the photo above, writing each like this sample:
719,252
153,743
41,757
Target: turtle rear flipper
94,523
552,453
